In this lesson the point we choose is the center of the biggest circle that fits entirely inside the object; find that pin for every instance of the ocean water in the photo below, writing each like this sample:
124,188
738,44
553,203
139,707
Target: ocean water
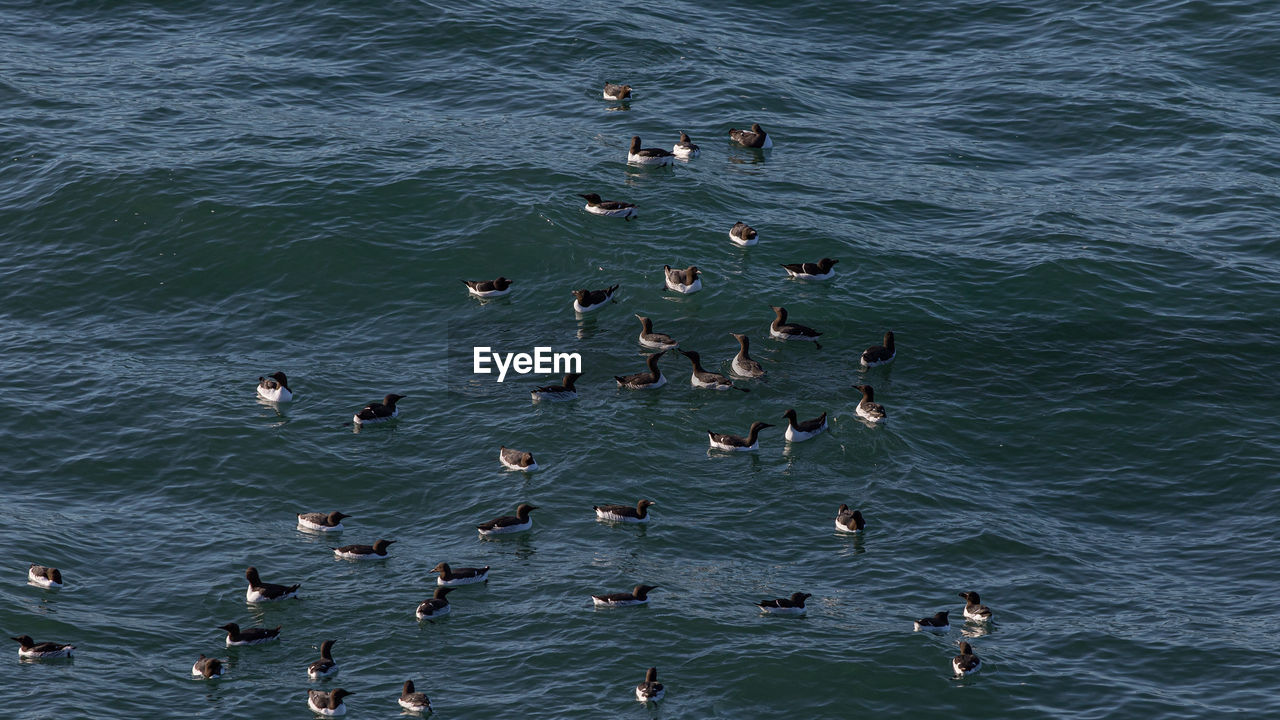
1067,215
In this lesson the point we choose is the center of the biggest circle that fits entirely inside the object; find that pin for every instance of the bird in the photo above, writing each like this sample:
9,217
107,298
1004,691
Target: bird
624,513
376,551
516,460
436,606
966,663
937,623
488,288
647,156
322,522
266,592
325,666
703,379
973,607
793,605
650,690
509,523
682,281
249,636
617,92
328,703
651,339
414,701
742,363
868,409
376,412
207,667
821,270
737,442
275,388
849,521
588,300
45,577
557,393
452,577
756,137
639,595
880,354
780,329
743,234
685,149
609,208
646,380
42,651
801,431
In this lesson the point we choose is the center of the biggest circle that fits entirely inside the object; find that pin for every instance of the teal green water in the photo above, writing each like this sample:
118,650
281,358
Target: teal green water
1067,217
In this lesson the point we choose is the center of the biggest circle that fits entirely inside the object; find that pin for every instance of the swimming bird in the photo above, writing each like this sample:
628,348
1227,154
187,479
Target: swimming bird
275,388
624,513
780,329
207,667
589,300
849,521
650,690
557,393
966,663
488,288
821,270
249,636
325,666
452,577
756,137
42,651
682,281
647,156
704,379
743,234
742,363
509,523
617,92
973,607
937,623
436,606
609,208
376,412
45,577
266,592
868,409
645,380
414,701
328,703
376,551
685,149
785,606
649,338
801,431
880,354
516,460
322,522
737,442
639,595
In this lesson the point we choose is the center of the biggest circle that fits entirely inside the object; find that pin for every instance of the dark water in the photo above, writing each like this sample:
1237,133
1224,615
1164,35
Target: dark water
1066,215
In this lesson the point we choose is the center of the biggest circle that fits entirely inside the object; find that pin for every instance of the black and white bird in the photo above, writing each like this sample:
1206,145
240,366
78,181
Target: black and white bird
651,339
275,388
682,281
488,288
249,636
937,623
799,431
637,155
650,380
207,667
743,234
609,208
880,354
793,605
452,577
325,666
376,551
756,137
849,521
328,703
557,393
639,595
32,650
737,443
743,364
685,149
821,270
412,700
376,412
45,577
585,301
516,460
780,329
966,663
650,690
617,92
322,522
701,378
509,523
436,606
259,591
868,409
973,607
624,513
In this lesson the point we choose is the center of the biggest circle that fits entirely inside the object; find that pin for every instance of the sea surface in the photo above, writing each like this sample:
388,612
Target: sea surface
1067,214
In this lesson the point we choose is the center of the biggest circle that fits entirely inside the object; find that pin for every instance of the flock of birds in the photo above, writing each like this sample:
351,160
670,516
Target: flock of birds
275,388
